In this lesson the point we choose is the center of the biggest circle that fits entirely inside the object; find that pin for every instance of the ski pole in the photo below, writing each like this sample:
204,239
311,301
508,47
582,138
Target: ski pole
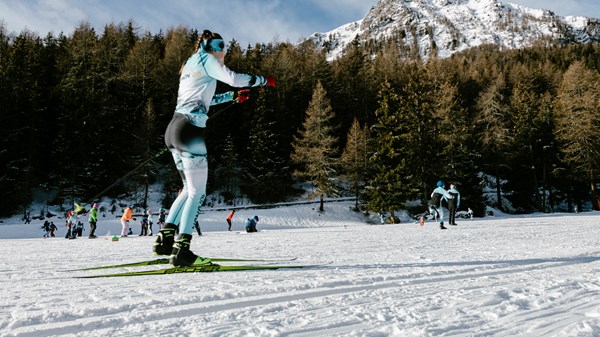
158,154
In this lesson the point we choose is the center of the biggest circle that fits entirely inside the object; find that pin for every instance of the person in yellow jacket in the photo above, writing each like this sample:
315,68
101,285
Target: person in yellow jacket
127,215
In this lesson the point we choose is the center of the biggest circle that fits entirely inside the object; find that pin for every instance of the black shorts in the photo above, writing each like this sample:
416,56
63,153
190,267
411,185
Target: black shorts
182,136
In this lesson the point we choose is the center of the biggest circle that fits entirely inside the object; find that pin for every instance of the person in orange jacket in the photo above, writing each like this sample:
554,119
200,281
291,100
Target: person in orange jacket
127,215
229,217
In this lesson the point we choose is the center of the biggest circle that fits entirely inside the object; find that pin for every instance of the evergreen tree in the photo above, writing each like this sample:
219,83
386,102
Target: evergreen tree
266,170
578,121
314,150
22,117
494,129
355,158
392,183
228,174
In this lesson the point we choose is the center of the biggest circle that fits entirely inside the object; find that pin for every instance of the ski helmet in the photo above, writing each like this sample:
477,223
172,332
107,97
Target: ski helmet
95,205
440,184
256,218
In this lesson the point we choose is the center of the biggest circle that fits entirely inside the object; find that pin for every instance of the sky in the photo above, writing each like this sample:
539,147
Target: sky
246,21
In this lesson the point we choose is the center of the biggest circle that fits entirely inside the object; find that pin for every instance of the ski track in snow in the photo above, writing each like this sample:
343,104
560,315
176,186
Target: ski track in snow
509,276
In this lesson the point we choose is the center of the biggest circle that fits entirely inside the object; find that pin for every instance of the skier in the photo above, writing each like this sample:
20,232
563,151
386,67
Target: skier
435,205
46,228
161,218
150,221
53,228
144,224
73,225
185,138
229,217
251,224
453,199
93,219
68,224
127,215
79,228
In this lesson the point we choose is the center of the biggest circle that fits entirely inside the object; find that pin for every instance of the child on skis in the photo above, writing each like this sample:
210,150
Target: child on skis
72,225
53,228
79,228
161,218
185,138
144,223
149,213
46,228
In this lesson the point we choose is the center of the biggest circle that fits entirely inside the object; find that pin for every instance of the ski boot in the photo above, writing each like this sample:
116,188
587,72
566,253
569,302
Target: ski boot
442,226
165,239
182,256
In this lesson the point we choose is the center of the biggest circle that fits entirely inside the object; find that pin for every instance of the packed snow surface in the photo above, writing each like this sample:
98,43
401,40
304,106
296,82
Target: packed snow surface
536,275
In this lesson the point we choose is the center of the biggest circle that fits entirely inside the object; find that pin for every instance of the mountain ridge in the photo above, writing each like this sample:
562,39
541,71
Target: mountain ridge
440,28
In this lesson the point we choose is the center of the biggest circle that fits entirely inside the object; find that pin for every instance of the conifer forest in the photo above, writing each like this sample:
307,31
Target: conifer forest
88,110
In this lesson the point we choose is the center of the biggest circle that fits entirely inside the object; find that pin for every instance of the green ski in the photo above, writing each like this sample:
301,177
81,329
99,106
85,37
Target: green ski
166,261
207,268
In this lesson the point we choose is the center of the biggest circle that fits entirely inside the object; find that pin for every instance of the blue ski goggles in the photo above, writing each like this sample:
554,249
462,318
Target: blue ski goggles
215,45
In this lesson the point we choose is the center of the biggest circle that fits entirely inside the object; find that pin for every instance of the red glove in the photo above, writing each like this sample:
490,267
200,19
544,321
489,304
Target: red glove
270,81
241,95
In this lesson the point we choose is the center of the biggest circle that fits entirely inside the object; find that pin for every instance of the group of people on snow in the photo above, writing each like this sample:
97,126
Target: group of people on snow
440,195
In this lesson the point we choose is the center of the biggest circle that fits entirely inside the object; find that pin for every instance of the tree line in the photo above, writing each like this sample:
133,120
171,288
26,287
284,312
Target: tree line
80,112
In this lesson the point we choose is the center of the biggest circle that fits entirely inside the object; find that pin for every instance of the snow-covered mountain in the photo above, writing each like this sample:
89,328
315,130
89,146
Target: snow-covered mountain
443,27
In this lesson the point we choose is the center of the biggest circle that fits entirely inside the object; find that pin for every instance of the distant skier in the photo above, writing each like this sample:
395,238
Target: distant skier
144,223
251,224
127,216
453,199
46,228
92,220
150,222
229,217
73,225
185,138
435,205
53,229
161,218
79,228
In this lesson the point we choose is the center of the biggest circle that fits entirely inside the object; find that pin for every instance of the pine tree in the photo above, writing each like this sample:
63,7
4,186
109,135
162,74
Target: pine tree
355,158
578,121
266,170
494,128
314,150
229,172
391,185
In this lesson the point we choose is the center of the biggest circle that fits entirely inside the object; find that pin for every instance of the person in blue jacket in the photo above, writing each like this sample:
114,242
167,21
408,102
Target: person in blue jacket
185,138
251,224
435,205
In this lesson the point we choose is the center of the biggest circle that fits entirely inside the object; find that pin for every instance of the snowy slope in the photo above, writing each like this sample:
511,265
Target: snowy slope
444,27
536,275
